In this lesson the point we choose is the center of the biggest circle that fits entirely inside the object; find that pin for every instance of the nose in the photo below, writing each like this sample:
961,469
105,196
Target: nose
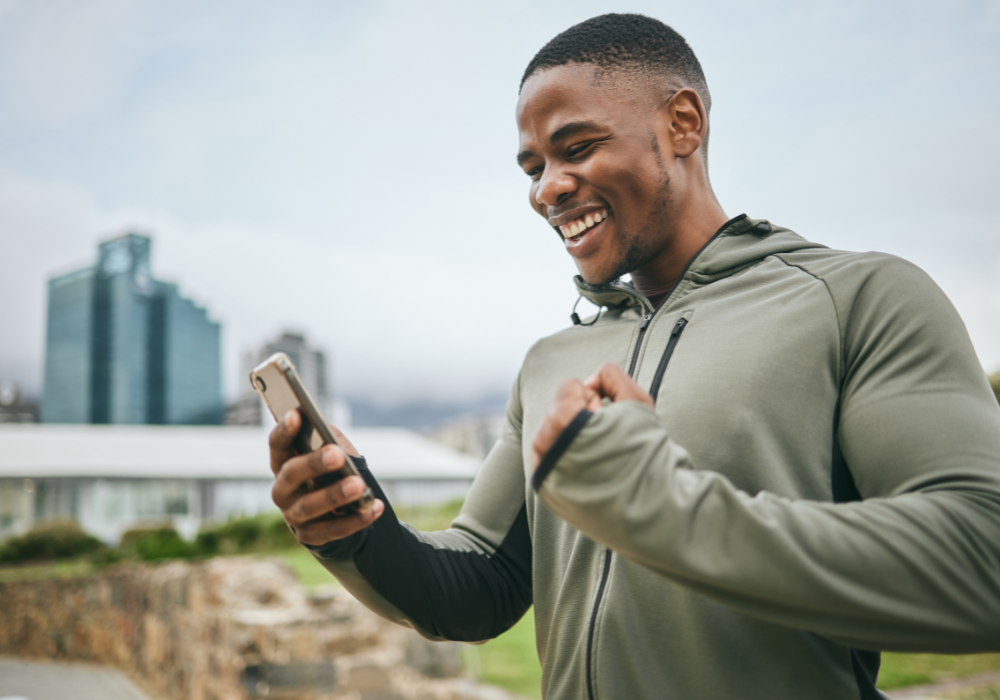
554,187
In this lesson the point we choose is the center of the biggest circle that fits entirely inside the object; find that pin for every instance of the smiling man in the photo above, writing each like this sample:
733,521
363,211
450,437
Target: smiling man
762,462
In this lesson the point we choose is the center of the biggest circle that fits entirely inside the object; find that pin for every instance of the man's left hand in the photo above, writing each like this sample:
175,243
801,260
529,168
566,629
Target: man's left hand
572,396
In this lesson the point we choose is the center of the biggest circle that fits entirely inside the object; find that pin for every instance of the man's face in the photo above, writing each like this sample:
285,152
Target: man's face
597,173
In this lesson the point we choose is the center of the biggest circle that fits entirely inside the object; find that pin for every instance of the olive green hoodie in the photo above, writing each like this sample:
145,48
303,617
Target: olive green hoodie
819,480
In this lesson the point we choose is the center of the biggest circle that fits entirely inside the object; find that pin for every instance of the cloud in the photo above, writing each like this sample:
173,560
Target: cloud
67,61
347,169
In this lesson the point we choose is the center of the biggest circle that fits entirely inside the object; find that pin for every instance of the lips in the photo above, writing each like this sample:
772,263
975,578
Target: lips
574,230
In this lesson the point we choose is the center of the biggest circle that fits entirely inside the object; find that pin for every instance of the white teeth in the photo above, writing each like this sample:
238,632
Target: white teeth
575,228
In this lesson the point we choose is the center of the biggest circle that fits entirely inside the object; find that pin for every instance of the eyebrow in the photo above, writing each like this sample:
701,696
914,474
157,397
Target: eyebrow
571,129
563,132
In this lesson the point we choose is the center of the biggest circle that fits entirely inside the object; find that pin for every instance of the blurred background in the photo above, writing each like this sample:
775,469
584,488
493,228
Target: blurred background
346,170
186,187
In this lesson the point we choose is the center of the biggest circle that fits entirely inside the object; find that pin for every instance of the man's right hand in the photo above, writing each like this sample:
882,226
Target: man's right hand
308,512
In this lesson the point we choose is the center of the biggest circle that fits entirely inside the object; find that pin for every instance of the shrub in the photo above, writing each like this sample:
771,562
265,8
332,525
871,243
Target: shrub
262,532
51,540
155,542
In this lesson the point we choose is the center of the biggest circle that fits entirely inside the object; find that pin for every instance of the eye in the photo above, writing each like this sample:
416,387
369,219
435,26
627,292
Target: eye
534,173
578,149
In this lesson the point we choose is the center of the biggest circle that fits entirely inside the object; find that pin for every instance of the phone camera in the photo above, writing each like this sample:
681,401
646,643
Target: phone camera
260,383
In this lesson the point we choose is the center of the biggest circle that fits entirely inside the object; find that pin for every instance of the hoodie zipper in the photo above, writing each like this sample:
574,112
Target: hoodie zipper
638,341
661,369
675,334
654,389
607,552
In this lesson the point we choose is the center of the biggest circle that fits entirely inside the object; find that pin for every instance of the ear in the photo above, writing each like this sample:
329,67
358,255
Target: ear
686,121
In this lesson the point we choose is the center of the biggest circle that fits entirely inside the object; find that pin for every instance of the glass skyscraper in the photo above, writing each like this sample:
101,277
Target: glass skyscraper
125,348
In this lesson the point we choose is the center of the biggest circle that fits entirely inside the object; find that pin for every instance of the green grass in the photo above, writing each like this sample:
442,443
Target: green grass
307,570
46,570
901,670
430,518
511,661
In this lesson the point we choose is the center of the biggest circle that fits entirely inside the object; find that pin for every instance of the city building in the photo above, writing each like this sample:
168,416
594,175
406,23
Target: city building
473,434
110,478
124,348
312,367
14,408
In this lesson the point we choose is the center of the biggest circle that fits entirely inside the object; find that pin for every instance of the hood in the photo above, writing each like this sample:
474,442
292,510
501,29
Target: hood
740,243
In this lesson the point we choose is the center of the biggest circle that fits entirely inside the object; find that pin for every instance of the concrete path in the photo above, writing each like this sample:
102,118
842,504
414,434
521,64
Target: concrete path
41,680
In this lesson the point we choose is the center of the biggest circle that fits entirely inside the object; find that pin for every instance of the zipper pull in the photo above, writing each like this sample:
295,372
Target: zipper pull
645,321
678,327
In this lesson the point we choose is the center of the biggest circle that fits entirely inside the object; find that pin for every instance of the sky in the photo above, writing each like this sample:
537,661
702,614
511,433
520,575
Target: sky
346,169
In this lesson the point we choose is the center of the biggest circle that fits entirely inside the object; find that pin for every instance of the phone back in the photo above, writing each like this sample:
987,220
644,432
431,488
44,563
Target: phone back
270,380
277,382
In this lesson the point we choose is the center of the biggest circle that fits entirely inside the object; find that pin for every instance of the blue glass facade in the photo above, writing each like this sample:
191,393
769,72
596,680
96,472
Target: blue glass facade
183,336
68,354
125,348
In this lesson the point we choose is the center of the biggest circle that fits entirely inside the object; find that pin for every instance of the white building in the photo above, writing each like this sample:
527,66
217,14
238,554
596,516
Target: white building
112,477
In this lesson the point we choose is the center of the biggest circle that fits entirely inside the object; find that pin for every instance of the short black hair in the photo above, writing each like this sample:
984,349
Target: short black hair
627,41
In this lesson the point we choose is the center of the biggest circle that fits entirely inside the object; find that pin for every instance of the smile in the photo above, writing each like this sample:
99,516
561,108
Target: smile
578,227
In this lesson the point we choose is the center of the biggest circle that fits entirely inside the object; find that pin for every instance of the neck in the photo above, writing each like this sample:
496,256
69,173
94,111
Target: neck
689,230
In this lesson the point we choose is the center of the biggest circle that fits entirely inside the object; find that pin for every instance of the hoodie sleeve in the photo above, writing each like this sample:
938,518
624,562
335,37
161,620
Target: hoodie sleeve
469,583
914,566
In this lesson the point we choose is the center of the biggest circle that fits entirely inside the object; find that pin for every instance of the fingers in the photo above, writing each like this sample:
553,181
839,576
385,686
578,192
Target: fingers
611,381
571,397
295,472
308,505
281,438
308,512
319,532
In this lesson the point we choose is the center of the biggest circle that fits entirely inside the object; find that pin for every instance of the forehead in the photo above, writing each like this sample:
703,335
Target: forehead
564,94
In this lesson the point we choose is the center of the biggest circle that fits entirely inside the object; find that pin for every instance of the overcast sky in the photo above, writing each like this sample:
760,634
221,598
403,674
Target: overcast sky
347,169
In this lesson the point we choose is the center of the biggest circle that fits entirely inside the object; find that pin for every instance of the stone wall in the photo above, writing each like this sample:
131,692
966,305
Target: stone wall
229,629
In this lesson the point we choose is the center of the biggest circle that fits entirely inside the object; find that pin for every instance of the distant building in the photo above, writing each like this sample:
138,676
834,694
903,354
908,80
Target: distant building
122,347
472,434
311,365
13,407
110,478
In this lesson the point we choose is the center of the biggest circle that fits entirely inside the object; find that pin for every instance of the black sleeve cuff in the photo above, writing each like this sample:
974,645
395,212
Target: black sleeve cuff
559,447
344,548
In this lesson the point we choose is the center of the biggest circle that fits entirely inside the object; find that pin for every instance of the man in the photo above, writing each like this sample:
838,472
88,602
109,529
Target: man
781,458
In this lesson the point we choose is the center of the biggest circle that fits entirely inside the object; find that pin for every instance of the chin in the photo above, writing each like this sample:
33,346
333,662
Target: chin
597,278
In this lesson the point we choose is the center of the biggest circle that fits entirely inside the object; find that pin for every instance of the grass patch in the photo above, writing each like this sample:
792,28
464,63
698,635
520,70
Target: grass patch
511,661
902,670
307,570
47,570
430,518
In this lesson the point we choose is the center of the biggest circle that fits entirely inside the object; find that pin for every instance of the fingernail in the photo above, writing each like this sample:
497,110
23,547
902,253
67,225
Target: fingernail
377,508
330,456
351,488
287,420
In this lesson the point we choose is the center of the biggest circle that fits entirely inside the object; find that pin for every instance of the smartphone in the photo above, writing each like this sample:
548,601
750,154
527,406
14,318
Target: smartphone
277,382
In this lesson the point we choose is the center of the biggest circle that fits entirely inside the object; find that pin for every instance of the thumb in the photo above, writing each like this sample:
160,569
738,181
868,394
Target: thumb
612,382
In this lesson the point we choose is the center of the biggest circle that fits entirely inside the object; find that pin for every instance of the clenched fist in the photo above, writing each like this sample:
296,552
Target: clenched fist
609,382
